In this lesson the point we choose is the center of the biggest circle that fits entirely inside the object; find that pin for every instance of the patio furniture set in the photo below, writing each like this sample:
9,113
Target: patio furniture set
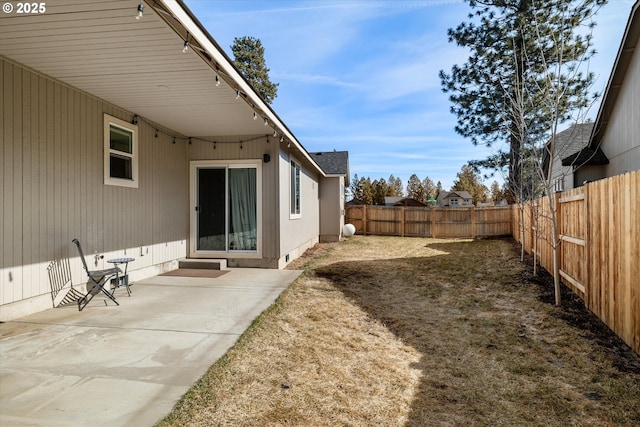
99,281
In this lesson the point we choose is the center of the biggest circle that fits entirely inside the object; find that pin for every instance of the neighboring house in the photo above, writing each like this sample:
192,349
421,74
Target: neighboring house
614,145
335,165
454,199
569,142
111,134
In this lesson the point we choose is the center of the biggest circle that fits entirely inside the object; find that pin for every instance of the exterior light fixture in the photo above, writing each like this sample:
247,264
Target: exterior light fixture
140,11
185,49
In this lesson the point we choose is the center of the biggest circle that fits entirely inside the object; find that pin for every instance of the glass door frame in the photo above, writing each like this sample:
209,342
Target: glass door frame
194,166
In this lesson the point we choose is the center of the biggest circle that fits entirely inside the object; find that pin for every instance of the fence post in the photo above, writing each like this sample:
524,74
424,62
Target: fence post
364,220
402,211
474,222
587,247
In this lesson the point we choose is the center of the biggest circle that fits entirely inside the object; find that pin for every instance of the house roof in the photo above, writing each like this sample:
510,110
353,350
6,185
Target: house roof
573,139
407,201
461,194
625,52
138,65
572,145
586,156
333,162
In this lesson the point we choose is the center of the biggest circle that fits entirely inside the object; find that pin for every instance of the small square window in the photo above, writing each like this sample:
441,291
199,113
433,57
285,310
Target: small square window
121,153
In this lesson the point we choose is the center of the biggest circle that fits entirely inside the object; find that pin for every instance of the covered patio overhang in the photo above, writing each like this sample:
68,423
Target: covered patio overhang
139,65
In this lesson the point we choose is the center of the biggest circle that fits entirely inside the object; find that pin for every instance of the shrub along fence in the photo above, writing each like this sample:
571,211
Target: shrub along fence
599,226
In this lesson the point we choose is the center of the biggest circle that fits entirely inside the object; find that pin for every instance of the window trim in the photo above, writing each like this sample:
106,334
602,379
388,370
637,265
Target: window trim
110,121
295,168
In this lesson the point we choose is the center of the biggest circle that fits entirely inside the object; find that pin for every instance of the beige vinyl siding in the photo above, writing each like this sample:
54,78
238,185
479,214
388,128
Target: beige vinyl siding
331,209
296,234
620,142
52,187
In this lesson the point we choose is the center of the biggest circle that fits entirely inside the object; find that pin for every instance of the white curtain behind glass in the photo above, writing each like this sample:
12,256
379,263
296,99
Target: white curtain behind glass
243,228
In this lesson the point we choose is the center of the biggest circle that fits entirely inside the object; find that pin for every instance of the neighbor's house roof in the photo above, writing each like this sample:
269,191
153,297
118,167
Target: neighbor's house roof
572,146
625,52
461,194
100,48
407,201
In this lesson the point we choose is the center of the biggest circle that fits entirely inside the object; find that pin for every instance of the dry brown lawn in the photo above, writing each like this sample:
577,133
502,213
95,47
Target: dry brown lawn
386,331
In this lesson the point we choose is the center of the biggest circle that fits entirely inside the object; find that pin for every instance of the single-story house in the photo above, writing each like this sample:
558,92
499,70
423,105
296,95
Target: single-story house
614,146
125,125
454,199
335,165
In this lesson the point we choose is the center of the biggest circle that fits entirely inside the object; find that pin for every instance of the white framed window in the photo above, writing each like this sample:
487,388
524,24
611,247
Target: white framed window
295,186
120,152
453,202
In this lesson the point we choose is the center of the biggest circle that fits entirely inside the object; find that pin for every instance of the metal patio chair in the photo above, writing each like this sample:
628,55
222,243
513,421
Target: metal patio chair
62,290
97,280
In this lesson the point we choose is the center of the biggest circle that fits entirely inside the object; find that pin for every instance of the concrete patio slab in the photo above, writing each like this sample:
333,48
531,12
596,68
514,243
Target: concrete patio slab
129,364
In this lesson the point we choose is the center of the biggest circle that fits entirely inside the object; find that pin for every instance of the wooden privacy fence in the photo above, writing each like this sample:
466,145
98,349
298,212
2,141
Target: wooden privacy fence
599,252
430,222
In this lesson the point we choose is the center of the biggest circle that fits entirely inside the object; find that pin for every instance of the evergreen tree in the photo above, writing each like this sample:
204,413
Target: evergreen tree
249,59
395,187
356,187
367,191
468,180
496,192
415,190
439,189
513,44
380,190
429,189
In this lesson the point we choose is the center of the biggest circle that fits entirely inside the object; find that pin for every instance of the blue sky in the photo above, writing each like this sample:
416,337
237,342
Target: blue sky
362,75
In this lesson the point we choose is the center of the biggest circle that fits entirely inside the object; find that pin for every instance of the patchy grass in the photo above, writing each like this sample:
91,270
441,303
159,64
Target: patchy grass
405,331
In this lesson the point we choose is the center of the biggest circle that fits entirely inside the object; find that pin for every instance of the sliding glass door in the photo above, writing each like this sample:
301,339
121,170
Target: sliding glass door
226,208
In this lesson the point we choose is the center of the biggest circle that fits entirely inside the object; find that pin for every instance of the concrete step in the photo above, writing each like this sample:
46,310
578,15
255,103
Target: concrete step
212,264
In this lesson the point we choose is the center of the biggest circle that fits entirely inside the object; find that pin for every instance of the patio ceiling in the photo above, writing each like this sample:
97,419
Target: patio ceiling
99,47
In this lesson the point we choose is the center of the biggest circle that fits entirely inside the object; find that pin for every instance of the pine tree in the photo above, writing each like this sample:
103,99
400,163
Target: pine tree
367,191
496,192
468,180
356,187
429,189
439,189
249,59
513,44
395,187
415,190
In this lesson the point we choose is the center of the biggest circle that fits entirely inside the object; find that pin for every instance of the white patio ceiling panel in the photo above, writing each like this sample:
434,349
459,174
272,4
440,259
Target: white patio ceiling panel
98,46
